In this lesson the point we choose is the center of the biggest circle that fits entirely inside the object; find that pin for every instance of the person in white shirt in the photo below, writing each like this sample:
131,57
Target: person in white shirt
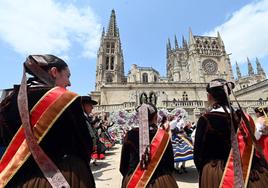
261,123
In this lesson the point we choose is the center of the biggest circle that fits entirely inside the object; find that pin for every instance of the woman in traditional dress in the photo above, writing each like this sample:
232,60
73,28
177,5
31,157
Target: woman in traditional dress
98,148
54,153
220,130
182,145
152,160
261,133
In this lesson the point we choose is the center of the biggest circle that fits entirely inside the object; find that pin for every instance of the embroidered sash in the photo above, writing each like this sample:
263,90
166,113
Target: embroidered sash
141,177
43,115
246,150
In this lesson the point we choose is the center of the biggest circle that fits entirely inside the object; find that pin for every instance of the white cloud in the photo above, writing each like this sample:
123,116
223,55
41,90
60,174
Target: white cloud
45,26
245,32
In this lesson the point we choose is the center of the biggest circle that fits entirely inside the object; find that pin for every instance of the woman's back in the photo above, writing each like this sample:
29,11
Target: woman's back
67,139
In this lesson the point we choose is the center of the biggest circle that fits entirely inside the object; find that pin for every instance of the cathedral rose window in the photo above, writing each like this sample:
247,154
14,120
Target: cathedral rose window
210,66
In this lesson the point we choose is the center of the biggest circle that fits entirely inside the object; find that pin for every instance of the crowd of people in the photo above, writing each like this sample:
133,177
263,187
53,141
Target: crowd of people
50,137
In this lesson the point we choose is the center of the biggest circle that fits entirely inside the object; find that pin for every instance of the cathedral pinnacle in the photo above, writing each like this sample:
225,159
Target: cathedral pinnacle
238,71
250,69
260,70
103,32
168,45
112,29
184,43
219,38
176,42
191,37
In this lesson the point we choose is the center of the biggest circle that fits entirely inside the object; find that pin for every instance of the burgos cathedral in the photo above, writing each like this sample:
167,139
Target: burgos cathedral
189,66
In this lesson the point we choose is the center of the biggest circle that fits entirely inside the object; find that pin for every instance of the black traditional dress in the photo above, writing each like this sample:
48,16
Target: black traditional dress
211,150
67,144
162,176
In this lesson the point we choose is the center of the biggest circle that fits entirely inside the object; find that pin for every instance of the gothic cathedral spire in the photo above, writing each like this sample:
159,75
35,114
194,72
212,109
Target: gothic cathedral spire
184,42
260,70
110,61
176,42
219,39
250,69
238,73
103,32
191,37
112,29
168,47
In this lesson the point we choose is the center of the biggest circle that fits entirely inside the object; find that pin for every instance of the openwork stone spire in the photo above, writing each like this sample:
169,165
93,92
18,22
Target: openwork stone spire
112,30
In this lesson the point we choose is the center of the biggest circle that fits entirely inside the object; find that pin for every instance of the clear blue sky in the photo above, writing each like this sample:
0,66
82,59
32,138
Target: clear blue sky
71,29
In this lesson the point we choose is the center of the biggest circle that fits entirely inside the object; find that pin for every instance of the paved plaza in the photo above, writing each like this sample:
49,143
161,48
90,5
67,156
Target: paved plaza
107,174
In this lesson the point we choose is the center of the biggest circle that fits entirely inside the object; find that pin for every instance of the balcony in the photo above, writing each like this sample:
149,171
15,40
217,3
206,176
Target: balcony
128,106
184,104
190,105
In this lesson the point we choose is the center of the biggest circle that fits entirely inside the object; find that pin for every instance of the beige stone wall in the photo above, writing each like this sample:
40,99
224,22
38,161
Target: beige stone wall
117,94
255,94
135,75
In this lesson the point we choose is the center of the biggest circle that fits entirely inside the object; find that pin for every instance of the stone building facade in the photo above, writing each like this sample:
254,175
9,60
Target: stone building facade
189,68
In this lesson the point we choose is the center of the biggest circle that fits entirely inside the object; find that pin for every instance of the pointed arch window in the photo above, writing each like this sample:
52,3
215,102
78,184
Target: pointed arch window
108,46
107,63
112,47
152,98
145,78
112,63
143,98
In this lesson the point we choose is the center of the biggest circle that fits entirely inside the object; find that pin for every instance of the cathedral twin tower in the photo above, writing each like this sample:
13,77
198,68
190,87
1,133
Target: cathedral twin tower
199,60
196,61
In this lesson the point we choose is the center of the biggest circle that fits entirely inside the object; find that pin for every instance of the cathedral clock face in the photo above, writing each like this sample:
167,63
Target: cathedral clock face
210,66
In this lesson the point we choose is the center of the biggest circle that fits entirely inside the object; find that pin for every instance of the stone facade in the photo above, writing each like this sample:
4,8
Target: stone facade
189,68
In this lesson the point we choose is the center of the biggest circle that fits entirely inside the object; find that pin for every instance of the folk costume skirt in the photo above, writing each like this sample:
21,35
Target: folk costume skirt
75,170
212,173
161,181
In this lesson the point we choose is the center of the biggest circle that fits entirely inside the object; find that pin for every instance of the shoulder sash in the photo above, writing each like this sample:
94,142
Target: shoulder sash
42,116
246,150
140,177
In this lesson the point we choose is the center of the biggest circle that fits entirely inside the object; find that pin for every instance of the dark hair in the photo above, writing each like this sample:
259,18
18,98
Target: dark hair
216,89
46,62
87,100
39,65
261,110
